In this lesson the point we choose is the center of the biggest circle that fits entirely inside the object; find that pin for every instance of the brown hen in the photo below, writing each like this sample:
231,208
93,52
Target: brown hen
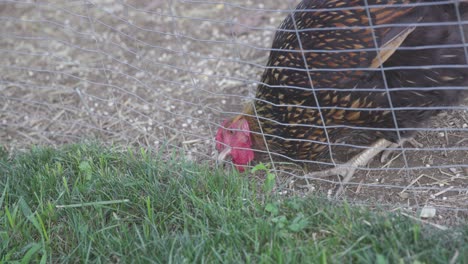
341,69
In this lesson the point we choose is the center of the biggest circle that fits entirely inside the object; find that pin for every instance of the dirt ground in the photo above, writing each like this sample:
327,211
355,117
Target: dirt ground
151,72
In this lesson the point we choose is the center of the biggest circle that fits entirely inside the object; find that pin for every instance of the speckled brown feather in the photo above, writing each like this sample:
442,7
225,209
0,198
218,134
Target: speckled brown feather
338,46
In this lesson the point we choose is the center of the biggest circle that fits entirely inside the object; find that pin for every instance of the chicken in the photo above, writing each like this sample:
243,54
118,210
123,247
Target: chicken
340,69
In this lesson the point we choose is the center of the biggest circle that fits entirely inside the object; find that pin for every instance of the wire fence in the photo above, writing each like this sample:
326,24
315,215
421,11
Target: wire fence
167,73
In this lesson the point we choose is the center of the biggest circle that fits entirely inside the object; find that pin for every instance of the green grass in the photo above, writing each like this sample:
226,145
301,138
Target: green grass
89,203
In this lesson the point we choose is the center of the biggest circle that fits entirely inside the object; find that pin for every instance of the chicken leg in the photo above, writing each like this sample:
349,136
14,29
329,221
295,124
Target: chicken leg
347,169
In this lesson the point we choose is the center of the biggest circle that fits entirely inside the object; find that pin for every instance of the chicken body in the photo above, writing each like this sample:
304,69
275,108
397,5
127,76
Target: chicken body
370,69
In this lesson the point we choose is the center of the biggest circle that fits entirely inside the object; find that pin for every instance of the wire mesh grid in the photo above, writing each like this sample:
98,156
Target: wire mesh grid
167,73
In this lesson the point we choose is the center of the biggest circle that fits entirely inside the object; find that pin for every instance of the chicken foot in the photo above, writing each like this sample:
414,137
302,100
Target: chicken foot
347,169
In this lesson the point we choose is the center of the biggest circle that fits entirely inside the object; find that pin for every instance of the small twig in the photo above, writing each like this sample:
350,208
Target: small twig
88,110
446,140
425,222
358,189
453,260
445,173
391,160
443,191
461,141
53,120
187,142
92,203
412,182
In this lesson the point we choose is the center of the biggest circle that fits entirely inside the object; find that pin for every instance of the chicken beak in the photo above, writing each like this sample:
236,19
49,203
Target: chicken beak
222,155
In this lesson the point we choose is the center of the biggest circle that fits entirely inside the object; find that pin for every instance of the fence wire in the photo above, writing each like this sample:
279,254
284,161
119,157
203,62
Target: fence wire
165,74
